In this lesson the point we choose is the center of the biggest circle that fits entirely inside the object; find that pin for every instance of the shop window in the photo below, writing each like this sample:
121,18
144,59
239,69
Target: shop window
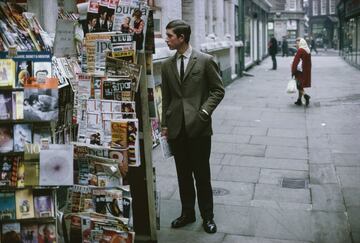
358,41
315,7
332,7
323,7
292,5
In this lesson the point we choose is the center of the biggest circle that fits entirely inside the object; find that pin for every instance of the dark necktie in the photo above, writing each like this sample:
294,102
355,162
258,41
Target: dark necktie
182,68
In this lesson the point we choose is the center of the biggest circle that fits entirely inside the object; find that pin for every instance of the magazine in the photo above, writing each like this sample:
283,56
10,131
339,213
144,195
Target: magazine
44,206
24,204
6,138
42,70
7,205
7,73
47,233
117,88
22,135
18,105
24,72
29,233
6,106
41,101
56,165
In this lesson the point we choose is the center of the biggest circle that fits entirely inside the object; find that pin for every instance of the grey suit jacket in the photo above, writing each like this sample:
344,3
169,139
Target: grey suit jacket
202,88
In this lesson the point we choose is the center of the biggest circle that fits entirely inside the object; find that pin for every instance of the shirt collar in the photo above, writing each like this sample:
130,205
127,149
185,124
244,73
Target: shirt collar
187,53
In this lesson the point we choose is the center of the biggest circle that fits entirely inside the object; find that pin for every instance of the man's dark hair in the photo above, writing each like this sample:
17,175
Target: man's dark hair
180,27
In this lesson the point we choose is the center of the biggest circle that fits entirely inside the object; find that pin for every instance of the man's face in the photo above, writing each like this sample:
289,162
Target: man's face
93,22
172,40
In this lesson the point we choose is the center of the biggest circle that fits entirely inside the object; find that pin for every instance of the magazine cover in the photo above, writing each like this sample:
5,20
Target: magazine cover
29,233
22,135
117,89
6,138
56,165
108,202
132,18
7,205
18,105
42,70
40,131
10,232
133,142
24,204
110,235
24,72
119,134
41,101
8,169
7,73
31,170
44,207
5,105
85,229
75,229
47,233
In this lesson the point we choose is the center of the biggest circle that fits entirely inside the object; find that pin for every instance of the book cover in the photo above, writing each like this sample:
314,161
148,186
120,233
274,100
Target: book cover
44,206
119,134
22,135
10,232
24,72
42,70
47,233
31,158
5,105
20,175
41,101
6,138
29,233
56,165
7,73
41,131
24,204
8,169
18,105
7,205
75,229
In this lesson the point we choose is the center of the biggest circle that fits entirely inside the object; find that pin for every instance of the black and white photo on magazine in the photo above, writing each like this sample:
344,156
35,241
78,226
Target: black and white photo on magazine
41,104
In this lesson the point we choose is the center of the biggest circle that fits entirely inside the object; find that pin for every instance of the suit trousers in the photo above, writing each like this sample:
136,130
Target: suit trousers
273,58
192,162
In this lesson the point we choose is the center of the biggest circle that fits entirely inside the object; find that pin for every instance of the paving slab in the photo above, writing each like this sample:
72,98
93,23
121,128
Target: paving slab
280,141
320,156
286,152
327,198
351,197
247,239
262,162
274,176
349,176
354,218
289,133
322,174
240,149
240,174
185,236
346,159
278,194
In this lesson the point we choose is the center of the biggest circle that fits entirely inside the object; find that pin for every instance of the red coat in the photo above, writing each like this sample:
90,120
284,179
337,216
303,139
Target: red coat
305,76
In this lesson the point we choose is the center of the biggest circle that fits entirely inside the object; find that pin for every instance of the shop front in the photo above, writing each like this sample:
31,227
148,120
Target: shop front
349,31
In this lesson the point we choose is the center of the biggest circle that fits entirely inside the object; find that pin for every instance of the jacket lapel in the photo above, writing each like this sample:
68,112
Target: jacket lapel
192,61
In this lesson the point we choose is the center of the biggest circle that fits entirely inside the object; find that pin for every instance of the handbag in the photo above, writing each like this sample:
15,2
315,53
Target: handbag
291,86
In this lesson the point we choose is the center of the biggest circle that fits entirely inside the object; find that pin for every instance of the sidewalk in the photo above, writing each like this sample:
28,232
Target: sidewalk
260,140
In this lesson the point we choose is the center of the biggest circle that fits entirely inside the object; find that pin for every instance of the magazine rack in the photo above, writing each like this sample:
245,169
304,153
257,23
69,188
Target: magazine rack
25,209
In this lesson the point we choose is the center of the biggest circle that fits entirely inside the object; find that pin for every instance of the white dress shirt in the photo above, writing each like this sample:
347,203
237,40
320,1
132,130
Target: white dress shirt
186,55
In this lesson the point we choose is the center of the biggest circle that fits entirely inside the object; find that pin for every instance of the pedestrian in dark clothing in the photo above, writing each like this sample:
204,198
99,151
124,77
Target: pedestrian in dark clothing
272,48
313,46
191,90
301,70
285,47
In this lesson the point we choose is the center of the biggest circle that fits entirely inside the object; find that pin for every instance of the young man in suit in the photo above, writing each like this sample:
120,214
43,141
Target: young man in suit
191,90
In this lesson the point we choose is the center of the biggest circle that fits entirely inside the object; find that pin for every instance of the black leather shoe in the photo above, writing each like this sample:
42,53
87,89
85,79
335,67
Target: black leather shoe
209,226
182,221
298,102
307,99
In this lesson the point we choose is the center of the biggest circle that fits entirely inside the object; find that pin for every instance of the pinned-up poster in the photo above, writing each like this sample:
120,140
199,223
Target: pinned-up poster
65,38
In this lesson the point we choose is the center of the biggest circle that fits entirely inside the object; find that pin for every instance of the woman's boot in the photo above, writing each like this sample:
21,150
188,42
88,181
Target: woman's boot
307,99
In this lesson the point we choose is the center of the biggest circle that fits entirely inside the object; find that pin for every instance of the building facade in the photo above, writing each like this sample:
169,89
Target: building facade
323,22
233,31
287,19
349,31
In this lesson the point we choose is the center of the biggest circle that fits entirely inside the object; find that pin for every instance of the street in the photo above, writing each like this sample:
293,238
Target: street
280,173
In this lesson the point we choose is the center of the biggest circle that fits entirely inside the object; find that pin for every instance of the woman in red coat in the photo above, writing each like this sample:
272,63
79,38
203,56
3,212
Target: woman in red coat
301,69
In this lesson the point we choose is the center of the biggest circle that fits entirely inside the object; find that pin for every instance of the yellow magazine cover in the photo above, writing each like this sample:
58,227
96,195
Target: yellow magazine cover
7,73
24,204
